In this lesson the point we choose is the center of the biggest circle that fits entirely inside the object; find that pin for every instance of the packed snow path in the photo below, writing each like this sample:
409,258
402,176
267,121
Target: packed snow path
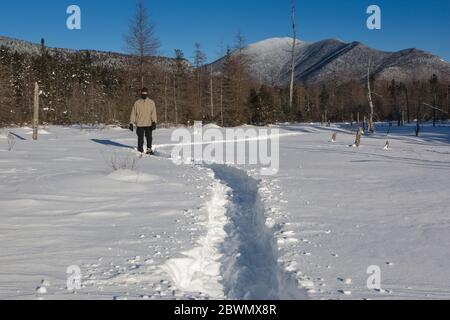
238,258
251,269
200,268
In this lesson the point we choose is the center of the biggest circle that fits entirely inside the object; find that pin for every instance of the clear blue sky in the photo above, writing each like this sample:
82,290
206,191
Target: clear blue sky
423,24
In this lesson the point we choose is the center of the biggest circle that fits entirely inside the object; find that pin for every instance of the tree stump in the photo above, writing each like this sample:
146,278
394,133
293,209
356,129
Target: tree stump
359,134
334,137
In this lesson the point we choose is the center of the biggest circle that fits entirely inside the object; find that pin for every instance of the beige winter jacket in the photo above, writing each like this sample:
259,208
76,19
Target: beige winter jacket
144,113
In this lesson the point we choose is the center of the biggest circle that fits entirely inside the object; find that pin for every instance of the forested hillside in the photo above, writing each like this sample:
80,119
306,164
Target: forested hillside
100,87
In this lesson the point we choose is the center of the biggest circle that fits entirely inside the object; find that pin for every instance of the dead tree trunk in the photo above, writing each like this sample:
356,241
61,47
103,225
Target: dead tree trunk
165,98
175,102
371,127
221,101
211,88
36,112
408,111
418,119
434,108
448,102
359,134
294,43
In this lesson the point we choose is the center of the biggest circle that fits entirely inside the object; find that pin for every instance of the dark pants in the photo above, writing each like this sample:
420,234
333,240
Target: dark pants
148,133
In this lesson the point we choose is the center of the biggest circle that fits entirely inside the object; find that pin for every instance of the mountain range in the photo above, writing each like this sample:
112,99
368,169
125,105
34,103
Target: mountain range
100,58
315,62
334,60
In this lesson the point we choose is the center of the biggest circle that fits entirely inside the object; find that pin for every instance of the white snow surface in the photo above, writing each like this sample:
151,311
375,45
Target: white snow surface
154,230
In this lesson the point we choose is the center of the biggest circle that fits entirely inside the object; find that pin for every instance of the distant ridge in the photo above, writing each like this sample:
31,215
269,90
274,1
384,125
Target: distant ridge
335,60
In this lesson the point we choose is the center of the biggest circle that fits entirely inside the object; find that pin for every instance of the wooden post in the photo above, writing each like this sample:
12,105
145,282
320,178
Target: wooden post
36,111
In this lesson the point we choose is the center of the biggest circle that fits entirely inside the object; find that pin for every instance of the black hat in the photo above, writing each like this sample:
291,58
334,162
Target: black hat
144,90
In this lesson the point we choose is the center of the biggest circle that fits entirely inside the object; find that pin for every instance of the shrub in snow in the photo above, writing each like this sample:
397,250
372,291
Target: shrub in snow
123,163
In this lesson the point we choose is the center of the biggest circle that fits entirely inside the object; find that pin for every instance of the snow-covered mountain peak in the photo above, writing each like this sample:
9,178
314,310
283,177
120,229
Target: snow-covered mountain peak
270,61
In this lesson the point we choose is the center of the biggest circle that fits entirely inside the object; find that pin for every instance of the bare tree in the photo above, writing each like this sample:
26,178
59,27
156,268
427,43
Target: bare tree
371,128
141,39
448,101
221,100
294,43
221,54
166,80
178,88
403,88
211,90
199,62
175,100
242,62
434,88
36,112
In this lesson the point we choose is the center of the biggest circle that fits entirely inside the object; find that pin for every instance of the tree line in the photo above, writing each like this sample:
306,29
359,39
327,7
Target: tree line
75,88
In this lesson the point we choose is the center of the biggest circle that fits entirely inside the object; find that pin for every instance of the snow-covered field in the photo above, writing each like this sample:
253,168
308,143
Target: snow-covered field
148,229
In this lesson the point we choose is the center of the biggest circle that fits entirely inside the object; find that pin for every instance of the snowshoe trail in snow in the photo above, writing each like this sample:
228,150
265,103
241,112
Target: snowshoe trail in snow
250,267
238,257
200,268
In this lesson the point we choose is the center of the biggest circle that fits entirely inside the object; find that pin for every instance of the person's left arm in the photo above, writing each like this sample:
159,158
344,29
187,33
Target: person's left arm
154,115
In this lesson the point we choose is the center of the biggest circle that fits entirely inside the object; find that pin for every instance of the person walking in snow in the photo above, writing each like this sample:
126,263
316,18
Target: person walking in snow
144,117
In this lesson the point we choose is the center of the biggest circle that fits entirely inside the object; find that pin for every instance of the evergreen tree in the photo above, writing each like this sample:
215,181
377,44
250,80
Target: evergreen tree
261,105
